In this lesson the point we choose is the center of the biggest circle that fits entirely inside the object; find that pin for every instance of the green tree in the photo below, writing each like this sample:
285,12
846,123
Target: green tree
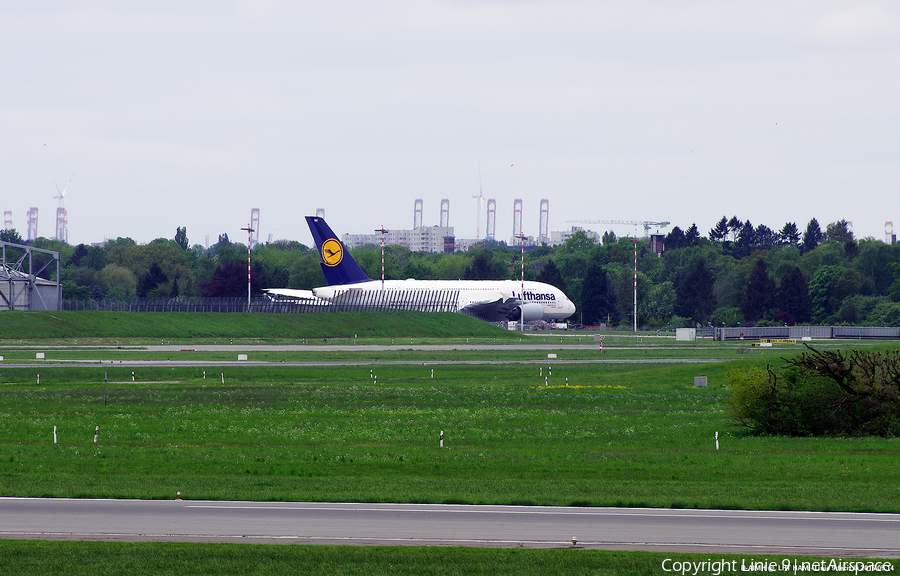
793,295
720,232
181,237
790,234
417,268
550,274
734,227
598,298
812,237
230,280
150,280
306,273
694,297
484,267
692,236
759,293
72,291
765,237
11,236
746,237
820,290
675,239
659,305
116,250
838,232
117,282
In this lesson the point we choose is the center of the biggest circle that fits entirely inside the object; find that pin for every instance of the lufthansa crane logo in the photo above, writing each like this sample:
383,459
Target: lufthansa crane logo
332,252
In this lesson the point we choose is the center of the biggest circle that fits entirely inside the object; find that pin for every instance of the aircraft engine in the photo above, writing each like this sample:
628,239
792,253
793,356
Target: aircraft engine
527,313
325,292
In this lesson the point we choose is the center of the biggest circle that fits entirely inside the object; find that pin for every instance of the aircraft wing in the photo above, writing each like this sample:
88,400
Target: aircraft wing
493,310
291,294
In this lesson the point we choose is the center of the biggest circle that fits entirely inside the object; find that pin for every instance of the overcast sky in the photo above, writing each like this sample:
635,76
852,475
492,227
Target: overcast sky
191,113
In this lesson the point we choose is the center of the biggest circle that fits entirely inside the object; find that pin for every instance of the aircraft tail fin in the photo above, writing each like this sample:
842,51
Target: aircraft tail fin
337,264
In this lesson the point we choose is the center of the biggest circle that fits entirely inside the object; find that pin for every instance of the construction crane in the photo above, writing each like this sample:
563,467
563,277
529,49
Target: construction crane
645,223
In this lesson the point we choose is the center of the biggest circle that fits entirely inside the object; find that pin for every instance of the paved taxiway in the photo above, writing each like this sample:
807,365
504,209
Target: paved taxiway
181,355
705,531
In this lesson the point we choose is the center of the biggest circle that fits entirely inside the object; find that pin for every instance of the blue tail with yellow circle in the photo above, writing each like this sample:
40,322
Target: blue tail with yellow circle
337,264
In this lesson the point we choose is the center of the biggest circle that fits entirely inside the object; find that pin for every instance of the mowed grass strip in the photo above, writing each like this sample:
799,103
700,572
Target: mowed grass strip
150,327
56,354
27,558
619,434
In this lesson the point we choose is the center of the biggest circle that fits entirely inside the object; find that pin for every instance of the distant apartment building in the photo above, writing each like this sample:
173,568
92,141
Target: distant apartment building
557,238
429,239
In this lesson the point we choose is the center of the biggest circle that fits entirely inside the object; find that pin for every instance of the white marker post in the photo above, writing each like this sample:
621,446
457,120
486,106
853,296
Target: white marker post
432,372
442,438
223,377
132,375
96,433
54,434
39,380
717,439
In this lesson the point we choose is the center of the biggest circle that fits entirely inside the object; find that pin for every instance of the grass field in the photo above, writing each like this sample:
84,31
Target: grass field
618,434
149,327
33,558
636,434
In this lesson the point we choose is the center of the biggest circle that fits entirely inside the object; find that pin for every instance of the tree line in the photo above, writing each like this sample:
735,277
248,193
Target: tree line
737,273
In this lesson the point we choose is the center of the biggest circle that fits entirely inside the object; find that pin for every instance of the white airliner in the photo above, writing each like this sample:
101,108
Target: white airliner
492,300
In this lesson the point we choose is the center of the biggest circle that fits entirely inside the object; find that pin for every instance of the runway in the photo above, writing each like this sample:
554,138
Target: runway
699,531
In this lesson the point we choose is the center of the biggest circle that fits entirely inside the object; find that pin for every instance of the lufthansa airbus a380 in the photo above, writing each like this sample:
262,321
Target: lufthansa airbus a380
492,300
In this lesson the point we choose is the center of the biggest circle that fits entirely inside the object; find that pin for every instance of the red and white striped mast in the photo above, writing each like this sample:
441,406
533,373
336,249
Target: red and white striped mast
635,281
382,231
249,236
522,294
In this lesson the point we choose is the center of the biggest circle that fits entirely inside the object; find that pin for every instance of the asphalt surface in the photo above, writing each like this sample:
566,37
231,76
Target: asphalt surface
706,531
181,355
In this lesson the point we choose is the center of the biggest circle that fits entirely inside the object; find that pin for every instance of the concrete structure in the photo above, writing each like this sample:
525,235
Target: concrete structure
62,224
657,244
517,222
445,213
685,334
254,227
491,230
32,224
417,213
544,223
21,287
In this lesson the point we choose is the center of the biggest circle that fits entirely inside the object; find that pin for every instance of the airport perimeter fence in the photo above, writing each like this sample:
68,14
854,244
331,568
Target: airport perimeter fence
348,301
811,332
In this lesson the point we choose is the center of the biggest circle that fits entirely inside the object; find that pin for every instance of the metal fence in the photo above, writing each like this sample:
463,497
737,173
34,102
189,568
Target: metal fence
800,332
349,301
